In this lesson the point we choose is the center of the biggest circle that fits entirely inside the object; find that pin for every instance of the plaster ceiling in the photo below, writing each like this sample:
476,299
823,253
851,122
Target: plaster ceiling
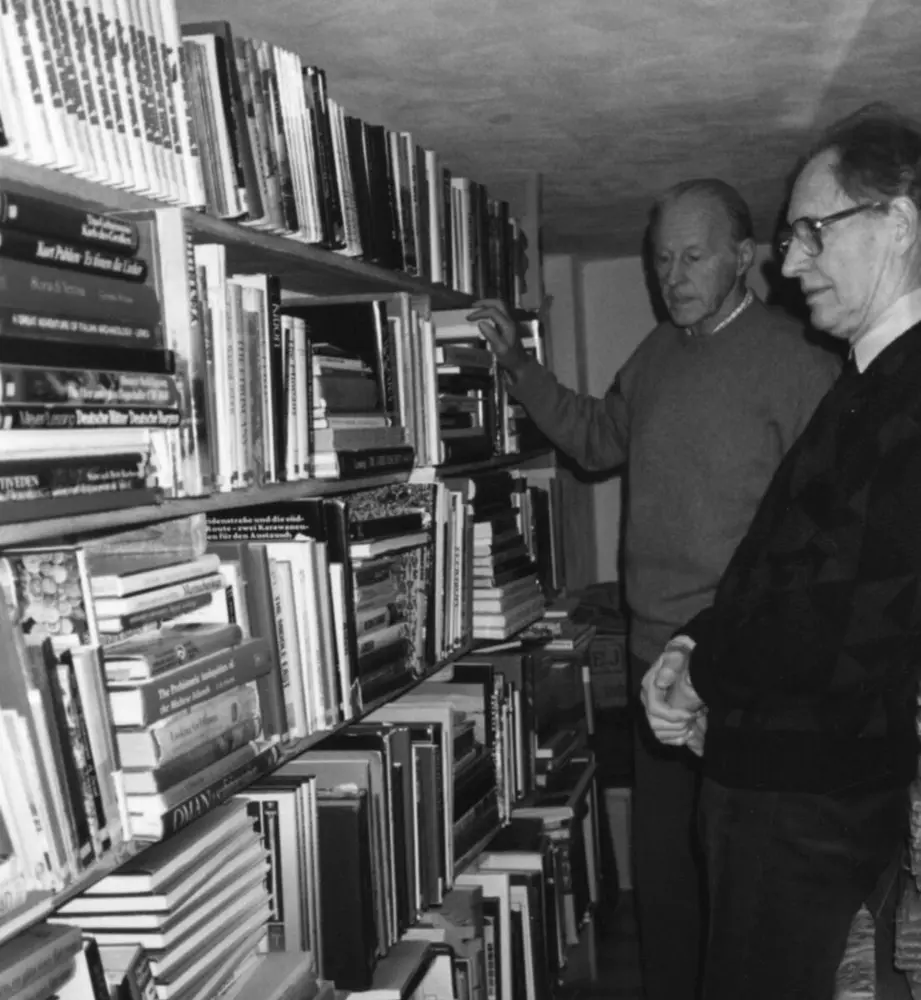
610,100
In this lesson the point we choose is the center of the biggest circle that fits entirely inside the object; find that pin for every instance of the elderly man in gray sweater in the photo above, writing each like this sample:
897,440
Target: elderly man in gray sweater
699,417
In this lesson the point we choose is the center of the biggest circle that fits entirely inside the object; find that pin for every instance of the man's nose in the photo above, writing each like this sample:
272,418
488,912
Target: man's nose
795,260
675,274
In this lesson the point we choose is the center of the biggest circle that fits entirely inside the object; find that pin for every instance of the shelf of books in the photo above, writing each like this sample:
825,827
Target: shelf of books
266,510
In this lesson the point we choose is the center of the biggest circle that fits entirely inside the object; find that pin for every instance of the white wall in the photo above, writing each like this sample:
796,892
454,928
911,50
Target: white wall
617,314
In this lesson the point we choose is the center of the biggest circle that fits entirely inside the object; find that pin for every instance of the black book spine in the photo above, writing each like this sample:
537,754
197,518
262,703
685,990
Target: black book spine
459,450
447,235
355,143
71,772
36,249
32,479
346,906
385,334
27,351
276,363
232,95
386,526
98,332
370,461
97,973
314,80
90,773
25,284
30,213
25,416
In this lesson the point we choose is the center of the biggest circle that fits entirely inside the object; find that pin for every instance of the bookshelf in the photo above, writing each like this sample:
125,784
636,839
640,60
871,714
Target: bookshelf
425,591
16,923
305,269
57,522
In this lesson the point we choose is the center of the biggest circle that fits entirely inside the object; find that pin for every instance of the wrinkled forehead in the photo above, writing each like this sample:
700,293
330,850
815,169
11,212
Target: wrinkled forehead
816,191
692,220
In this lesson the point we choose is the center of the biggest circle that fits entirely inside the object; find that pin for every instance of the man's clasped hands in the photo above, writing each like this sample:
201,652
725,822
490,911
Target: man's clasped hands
677,715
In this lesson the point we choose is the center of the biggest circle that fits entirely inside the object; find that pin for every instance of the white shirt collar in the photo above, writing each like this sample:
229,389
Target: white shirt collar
902,315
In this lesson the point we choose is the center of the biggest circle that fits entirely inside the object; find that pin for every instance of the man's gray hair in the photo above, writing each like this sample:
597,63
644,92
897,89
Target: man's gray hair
724,194
879,154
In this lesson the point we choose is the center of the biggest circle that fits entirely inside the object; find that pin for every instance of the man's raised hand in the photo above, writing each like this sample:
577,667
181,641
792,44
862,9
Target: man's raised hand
499,328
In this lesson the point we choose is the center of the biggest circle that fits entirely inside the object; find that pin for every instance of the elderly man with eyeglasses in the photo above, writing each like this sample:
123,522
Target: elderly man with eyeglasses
799,684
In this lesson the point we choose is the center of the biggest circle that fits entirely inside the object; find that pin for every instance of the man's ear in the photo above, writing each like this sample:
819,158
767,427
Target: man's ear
745,257
904,215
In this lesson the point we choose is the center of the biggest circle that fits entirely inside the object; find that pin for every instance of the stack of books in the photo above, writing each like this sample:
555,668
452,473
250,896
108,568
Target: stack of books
506,593
568,812
473,394
83,426
355,422
197,904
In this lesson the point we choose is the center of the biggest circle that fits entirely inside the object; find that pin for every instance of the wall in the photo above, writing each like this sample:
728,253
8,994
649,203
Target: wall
616,315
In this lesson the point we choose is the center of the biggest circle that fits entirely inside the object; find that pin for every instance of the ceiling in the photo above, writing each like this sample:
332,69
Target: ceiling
610,100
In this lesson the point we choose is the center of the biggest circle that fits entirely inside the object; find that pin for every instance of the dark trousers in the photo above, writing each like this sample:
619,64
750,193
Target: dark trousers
667,865
787,872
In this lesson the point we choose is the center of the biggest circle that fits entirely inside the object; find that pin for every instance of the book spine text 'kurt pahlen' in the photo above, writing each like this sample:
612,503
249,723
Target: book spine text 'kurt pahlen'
58,253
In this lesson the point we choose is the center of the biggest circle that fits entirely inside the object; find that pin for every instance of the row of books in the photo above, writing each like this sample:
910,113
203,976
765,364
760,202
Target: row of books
364,842
174,370
371,839
116,92
160,667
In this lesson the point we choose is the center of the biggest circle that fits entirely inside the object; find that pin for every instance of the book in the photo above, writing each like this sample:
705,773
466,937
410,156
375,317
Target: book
189,684
53,218
32,248
169,862
27,960
144,657
175,734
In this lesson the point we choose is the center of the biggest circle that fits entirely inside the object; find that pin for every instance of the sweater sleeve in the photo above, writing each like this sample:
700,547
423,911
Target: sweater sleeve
592,431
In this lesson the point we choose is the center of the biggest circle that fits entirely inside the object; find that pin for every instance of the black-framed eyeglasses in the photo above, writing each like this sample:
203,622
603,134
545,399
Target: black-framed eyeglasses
809,231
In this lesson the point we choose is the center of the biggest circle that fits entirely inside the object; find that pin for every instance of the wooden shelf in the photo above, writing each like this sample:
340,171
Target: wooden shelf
69,526
17,921
527,459
304,269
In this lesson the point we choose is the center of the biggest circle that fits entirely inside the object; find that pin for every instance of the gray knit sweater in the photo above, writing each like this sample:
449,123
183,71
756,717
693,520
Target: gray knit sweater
701,423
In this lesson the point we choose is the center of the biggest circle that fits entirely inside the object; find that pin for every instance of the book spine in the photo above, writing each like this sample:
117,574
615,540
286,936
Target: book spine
95,970
51,386
45,326
222,790
36,249
85,666
167,776
90,779
175,735
32,285
34,479
157,596
116,627
199,681
73,784
264,815
40,417
370,462
169,650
